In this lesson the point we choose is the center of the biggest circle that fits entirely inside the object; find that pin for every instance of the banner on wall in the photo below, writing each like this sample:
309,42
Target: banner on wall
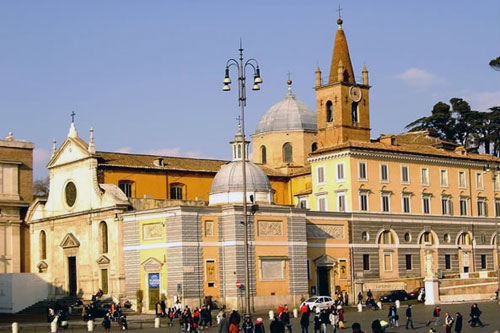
210,271
154,280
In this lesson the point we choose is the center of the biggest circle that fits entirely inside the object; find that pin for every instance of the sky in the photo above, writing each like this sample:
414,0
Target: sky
147,75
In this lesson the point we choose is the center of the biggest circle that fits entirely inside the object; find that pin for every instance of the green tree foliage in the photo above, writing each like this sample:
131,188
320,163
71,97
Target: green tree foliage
495,64
456,122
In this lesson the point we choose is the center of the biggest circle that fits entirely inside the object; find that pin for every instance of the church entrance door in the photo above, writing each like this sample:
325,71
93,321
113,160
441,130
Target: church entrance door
72,276
324,281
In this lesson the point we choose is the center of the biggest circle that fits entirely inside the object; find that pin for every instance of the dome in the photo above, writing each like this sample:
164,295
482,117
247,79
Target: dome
289,114
227,186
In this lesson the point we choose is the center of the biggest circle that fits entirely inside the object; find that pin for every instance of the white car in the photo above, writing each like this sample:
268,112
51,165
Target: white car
318,302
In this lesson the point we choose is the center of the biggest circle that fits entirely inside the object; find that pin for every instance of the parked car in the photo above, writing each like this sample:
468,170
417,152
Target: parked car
414,293
318,302
394,295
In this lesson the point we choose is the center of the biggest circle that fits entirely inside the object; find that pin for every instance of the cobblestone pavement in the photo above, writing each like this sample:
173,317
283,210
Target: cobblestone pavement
421,314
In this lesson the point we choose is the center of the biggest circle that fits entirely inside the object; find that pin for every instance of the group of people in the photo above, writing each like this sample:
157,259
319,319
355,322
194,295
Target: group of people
192,321
449,320
57,312
370,300
112,312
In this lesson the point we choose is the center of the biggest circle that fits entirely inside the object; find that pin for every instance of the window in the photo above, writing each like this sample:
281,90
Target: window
427,238
209,228
405,175
496,181
426,204
446,205
354,111
406,203
9,179
314,146
461,179
408,262
384,173
287,153
43,245
362,171
443,177
126,187
386,238
320,175
272,269
302,202
407,237
340,172
479,181
385,198
425,176
341,202
447,238
481,207
308,269
322,203
483,261
104,281
447,261
387,262
363,201
176,192
366,262
497,207
365,236
103,228
329,112
263,155
463,206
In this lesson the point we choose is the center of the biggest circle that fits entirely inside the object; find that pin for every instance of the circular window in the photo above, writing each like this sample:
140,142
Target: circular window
407,237
70,193
365,236
447,238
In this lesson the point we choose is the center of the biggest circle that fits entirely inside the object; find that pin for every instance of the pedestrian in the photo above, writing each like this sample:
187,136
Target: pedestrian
304,320
340,312
360,297
448,322
324,316
317,321
393,316
474,316
259,326
158,309
276,326
435,316
377,327
209,315
106,323
163,306
346,298
233,326
223,324
304,308
334,319
285,318
356,328
409,317
369,294
247,326
235,317
458,322
171,316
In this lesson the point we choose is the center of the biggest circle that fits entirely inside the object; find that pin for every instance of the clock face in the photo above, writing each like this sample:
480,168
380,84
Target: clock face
70,193
355,93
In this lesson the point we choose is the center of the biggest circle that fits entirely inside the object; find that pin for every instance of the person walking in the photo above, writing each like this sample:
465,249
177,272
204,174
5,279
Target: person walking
435,316
458,322
304,320
223,326
409,317
360,297
448,322
247,326
106,323
277,326
334,319
317,322
393,316
324,317
259,326
285,318
233,327
475,313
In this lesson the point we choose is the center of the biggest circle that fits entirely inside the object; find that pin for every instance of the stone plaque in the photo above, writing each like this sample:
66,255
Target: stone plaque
209,228
384,286
151,231
325,231
270,228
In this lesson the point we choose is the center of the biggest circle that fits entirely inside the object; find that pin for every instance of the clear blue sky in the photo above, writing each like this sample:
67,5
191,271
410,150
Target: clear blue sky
147,74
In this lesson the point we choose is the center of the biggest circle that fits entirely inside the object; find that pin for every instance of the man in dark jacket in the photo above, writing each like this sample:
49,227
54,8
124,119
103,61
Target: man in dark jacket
409,319
304,321
458,323
325,320
224,324
277,326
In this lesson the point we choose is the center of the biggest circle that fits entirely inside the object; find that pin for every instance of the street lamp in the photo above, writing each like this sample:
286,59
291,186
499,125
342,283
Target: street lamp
242,66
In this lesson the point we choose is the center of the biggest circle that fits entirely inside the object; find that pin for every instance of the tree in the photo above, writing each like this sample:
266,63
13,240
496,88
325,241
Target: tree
495,64
441,120
41,187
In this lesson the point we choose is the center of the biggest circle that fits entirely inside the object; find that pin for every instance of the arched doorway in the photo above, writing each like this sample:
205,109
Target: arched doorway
388,242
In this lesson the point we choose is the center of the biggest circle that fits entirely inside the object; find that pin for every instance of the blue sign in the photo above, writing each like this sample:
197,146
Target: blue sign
154,280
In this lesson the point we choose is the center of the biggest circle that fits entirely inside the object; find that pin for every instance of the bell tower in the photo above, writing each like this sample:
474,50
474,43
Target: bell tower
342,104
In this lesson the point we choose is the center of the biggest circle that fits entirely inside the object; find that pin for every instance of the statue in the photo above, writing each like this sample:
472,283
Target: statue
428,265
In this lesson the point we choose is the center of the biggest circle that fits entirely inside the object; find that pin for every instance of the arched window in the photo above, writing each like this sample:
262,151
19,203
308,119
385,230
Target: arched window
103,229
346,76
427,238
329,112
43,245
354,111
239,152
464,239
387,237
263,155
176,191
287,152
314,146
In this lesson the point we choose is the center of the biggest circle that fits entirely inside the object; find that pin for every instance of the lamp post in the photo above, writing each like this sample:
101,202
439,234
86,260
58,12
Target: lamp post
242,67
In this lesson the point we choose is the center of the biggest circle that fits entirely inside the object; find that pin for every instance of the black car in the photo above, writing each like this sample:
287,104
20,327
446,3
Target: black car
394,295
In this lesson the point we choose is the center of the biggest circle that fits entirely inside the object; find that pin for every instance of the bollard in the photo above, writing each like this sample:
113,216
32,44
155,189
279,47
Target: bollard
70,310
398,304
379,304
53,326
271,314
157,322
90,325
15,327
360,307
295,313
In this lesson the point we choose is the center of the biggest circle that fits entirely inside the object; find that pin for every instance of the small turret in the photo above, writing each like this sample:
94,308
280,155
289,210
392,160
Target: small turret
340,72
91,142
365,76
318,77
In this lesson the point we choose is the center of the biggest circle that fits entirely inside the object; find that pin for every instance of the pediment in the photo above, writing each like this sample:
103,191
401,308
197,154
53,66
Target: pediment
103,260
69,241
42,266
325,260
152,265
72,149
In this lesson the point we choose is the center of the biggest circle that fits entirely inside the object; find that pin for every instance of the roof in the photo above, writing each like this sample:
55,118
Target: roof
416,143
142,161
230,178
341,53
